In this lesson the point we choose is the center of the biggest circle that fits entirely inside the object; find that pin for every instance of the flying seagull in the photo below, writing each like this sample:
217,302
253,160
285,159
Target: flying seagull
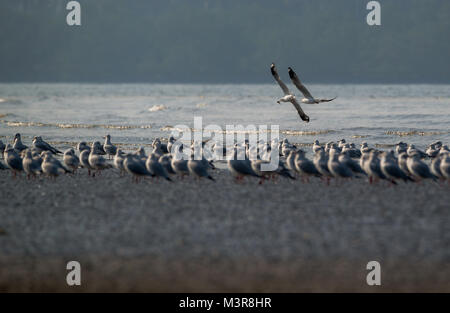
308,98
288,96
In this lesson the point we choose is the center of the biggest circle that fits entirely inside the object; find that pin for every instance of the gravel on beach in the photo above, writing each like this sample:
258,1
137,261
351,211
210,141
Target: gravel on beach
199,236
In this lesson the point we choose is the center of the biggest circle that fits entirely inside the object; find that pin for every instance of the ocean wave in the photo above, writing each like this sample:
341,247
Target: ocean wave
156,108
69,125
415,133
249,131
360,136
12,101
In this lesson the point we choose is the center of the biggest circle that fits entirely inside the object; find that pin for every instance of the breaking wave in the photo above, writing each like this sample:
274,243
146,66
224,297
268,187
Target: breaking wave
69,125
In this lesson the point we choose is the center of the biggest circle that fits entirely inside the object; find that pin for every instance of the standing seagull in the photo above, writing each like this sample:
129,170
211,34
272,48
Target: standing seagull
199,168
417,168
118,161
155,168
71,160
389,167
31,166
336,168
96,161
240,167
18,145
50,167
135,166
40,145
84,159
308,98
288,96
12,159
109,148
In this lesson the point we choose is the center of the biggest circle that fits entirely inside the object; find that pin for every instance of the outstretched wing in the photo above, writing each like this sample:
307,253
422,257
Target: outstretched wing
277,78
326,100
302,114
298,83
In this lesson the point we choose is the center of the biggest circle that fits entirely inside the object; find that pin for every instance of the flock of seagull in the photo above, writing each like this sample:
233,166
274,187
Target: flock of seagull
339,160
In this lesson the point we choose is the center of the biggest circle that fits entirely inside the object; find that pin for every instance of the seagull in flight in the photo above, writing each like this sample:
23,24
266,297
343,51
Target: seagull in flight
288,96
308,98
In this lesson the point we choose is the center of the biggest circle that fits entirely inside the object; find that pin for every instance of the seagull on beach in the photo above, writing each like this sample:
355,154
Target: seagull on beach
417,168
338,169
198,165
12,159
118,161
389,167
71,160
108,147
52,167
96,161
179,165
140,152
84,160
31,166
199,168
320,161
305,166
240,167
54,160
134,165
166,162
40,145
288,96
413,150
401,147
316,146
346,158
18,145
435,166
372,167
155,168
402,159
170,142
83,146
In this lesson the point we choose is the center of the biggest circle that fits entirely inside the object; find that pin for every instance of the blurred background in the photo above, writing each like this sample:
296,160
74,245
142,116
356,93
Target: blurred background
218,41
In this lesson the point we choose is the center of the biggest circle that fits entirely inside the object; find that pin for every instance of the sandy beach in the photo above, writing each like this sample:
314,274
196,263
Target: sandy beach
190,235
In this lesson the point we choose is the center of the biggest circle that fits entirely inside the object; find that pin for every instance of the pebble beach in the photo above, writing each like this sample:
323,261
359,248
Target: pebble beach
195,235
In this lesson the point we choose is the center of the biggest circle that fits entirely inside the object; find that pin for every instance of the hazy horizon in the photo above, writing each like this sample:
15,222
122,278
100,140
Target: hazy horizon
230,42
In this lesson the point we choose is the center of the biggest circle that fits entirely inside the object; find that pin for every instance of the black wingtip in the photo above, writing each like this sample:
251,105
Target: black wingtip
291,72
305,118
211,178
272,69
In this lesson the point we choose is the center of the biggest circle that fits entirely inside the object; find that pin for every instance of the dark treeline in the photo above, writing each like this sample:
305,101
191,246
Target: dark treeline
215,41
